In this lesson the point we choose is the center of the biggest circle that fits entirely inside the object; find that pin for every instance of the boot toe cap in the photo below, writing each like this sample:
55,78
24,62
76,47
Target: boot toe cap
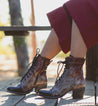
47,94
10,88
15,90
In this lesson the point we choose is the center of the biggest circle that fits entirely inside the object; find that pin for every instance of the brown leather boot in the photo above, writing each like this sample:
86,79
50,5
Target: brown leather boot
71,79
34,78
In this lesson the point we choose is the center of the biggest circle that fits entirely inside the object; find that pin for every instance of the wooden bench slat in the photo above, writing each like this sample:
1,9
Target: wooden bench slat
16,33
35,100
21,30
24,28
32,99
8,99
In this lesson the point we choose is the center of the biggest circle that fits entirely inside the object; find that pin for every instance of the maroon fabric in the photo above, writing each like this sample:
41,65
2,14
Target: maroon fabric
61,24
84,13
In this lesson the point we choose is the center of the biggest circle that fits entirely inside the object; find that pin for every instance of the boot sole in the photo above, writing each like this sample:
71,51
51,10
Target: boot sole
77,94
37,88
18,93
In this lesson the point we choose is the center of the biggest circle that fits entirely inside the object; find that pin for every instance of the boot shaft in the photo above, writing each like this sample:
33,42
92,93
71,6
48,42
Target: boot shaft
40,62
34,78
76,63
38,67
72,78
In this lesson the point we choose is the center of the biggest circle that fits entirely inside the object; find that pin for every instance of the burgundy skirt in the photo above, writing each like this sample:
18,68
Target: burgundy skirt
85,15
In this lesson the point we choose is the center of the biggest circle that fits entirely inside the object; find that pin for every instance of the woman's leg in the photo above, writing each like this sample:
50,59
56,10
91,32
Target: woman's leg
51,47
72,77
78,47
36,74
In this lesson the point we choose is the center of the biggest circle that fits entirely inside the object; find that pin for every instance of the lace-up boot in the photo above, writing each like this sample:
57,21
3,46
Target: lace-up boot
34,78
71,79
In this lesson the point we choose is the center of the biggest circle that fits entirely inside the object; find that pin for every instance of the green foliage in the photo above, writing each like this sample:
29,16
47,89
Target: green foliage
2,35
63,55
6,50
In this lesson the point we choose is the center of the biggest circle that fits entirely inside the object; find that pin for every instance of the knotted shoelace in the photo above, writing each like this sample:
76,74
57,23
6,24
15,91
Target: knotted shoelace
59,70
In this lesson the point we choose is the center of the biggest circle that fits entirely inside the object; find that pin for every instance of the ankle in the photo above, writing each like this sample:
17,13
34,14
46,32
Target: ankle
44,56
81,57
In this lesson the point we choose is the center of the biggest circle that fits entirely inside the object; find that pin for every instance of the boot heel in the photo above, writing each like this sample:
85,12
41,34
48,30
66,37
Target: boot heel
78,93
37,88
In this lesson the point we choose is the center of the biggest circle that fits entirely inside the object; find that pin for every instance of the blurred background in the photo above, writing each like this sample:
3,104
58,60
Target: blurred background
17,52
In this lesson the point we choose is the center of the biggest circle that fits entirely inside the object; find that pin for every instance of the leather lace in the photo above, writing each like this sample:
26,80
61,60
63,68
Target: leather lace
64,63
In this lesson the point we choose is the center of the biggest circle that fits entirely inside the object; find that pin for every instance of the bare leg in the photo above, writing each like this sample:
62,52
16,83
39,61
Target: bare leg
72,77
51,47
78,47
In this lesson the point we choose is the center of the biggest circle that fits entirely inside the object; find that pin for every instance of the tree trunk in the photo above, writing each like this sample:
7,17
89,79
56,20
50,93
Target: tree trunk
19,42
92,63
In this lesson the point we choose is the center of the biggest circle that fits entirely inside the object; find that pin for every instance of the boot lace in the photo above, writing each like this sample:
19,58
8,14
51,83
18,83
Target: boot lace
64,63
30,66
